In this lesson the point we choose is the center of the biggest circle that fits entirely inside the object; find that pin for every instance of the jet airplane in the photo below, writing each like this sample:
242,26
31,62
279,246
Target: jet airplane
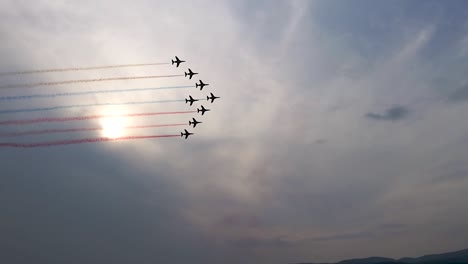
194,122
202,110
191,100
201,84
177,61
190,73
186,134
212,98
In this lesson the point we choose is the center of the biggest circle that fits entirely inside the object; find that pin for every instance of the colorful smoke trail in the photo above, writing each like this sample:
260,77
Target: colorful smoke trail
71,130
83,68
54,95
62,107
31,85
82,118
80,141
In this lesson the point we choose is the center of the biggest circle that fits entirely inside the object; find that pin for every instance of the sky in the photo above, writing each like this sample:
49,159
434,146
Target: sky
341,132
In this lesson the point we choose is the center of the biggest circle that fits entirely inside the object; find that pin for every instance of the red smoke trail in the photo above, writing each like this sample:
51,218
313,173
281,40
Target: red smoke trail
31,85
52,131
81,118
78,141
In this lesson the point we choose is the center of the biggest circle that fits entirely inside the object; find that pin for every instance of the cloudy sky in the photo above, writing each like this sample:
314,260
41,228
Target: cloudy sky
341,132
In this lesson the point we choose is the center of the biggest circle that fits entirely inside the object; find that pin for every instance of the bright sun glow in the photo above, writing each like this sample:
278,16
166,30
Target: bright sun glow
113,127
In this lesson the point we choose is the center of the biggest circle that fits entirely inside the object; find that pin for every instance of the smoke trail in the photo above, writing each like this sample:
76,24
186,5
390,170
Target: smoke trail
82,118
31,85
79,141
25,97
53,131
10,111
82,68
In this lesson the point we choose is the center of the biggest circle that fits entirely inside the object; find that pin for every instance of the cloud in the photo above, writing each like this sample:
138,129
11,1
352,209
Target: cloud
346,236
258,172
321,141
459,95
452,177
394,113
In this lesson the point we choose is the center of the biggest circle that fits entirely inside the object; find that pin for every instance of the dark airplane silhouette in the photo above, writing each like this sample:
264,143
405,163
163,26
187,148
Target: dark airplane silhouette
201,84
202,110
194,123
190,73
212,98
186,134
191,100
177,61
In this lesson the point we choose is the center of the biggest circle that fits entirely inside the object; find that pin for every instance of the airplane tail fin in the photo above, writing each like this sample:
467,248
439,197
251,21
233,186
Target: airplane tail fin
181,134
173,62
185,74
186,101
207,98
196,85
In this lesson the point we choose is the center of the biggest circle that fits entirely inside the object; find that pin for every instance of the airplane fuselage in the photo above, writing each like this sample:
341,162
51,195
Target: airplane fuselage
202,110
191,100
186,134
190,73
201,85
177,61
194,122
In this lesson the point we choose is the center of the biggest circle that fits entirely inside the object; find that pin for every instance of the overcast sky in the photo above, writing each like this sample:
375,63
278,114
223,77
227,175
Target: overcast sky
342,132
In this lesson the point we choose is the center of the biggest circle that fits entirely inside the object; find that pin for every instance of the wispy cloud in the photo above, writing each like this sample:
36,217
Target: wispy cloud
460,94
394,113
285,155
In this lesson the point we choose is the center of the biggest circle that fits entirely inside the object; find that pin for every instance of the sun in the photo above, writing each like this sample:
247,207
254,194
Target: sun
113,127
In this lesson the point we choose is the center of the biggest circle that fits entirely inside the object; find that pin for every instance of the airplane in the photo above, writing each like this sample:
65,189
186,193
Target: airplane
212,98
202,110
186,134
191,100
177,61
190,73
201,84
194,123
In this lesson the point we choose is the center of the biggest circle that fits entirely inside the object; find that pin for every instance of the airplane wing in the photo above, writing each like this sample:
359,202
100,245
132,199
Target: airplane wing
177,58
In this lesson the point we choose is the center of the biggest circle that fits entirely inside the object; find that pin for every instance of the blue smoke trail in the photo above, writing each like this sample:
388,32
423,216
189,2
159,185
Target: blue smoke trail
25,97
10,111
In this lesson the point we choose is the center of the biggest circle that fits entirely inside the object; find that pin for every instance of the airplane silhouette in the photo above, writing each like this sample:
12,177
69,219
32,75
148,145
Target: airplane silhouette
186,134
190,73
191,100
212,98
202,110
194,123
201,84
177,61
